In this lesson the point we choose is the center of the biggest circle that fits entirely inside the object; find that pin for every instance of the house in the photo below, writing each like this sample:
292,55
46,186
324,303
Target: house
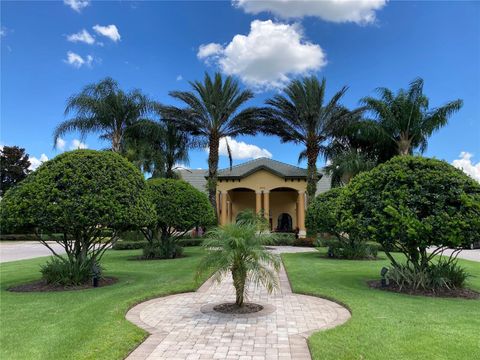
276,188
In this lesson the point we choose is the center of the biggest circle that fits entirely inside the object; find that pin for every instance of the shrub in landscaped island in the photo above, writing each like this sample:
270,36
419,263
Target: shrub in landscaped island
239,250
323,217
180,208
413,203
81,200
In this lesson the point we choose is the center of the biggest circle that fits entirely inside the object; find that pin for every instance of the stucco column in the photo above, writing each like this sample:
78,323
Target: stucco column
229,206
301,212
223,219
217,200
266,204
258,201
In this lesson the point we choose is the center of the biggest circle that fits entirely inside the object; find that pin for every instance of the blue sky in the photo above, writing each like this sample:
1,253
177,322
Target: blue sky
156,46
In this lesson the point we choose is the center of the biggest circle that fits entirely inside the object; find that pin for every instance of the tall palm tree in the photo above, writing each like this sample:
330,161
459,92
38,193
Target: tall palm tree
239,250
403,121
158,147
302,116
106,109
213,112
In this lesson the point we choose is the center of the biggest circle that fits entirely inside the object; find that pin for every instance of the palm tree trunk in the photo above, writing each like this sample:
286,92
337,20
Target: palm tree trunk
404,145
239,279
116,141
213,143
312,174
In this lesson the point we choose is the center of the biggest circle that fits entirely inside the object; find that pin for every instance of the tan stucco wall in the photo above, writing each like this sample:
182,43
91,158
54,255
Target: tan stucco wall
261,180
283,202
241,201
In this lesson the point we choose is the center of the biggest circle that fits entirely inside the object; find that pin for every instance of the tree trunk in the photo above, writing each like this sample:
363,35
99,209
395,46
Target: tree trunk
312,174
116,142
213,143
239,279
404,145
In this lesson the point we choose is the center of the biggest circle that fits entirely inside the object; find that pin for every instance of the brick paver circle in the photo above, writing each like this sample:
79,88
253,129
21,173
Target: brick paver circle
184,326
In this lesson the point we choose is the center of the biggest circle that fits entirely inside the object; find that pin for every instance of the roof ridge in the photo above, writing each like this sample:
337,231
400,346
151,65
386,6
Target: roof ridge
242,164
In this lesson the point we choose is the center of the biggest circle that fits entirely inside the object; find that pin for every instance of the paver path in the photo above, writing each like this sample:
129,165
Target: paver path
184,326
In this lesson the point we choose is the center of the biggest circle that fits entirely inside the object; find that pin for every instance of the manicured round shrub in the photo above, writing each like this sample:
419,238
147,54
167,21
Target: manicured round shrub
180,208
86,196
321,214
412,203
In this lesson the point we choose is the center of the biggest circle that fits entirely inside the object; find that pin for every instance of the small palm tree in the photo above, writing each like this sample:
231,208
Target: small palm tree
106,109
301,116
213,112
404,121
239,250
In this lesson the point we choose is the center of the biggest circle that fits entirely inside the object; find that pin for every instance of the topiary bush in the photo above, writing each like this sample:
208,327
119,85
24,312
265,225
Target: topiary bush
80,199
180,208
323,216
413,203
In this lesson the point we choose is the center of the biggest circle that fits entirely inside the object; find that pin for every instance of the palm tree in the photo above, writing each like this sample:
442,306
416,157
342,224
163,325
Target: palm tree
239,250
346,164
106,109
213,112
158,147
301,116
404,121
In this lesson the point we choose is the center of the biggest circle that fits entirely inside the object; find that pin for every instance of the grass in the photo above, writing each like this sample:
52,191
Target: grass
85,324
386,325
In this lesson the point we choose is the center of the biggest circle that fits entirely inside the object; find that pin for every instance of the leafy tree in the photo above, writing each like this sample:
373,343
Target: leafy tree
239,250
213,112
180,208
14,166
413,203
302,116
157,147
403,121
80,199
106,109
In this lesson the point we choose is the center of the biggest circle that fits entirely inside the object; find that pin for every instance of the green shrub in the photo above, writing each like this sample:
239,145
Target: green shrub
439,276
190,241
180,208
64,273
322,214
413,203
80,199
350,250
283,239
305,242
131,235
129,245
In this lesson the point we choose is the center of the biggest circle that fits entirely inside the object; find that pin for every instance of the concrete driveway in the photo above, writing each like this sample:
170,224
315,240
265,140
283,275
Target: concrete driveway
473,255
21,250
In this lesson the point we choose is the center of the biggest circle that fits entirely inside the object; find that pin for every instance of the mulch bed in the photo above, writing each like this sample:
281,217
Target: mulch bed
444,293
232,308
42,286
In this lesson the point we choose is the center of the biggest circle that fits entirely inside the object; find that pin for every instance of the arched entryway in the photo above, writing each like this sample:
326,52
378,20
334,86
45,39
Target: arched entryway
284,223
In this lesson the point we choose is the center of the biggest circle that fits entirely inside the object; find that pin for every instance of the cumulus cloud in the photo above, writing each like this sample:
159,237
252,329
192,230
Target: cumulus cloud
356,11
77,61
179,77
35,162
466,164
241,150
60,144
77,144
267,56
77,5
3,31
82,36
109,31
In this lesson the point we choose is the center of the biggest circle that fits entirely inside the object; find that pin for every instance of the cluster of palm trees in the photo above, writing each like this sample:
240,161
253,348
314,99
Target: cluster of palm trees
156,137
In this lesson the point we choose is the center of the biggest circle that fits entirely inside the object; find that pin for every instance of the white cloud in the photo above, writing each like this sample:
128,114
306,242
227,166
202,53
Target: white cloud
242,150
60,144
3,31
179,77
77,61
77,5
465,163
267,56
77,144
208,50
35,163
82,36
356,11
109,31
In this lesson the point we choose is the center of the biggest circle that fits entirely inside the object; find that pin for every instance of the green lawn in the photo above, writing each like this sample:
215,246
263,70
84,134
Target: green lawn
386,325
86,324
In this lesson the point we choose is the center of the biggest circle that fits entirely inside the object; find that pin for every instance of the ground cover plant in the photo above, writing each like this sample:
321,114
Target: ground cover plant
386,325
81,200
179,208
86,324
413,203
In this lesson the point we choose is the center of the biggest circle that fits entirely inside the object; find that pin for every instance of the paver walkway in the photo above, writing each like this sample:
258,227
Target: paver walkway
184,326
